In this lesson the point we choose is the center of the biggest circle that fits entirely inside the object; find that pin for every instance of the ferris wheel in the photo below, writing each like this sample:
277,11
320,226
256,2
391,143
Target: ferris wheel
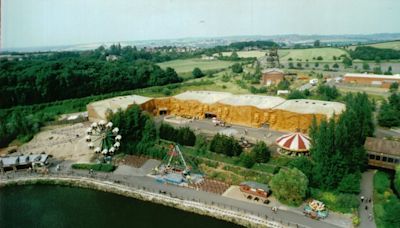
102,138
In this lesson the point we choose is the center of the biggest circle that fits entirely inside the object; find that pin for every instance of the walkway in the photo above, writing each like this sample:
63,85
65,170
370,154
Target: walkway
367,191
287,218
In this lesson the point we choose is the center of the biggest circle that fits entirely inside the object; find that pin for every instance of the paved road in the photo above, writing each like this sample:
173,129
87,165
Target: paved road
305,86
381,133
288,218
367,192
253,134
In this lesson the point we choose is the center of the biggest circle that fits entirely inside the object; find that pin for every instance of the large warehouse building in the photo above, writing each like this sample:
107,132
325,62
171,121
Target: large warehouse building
380,80
247,110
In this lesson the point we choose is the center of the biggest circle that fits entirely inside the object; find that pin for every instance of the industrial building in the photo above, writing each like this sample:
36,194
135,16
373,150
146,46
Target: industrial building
247,110
272,76
379,80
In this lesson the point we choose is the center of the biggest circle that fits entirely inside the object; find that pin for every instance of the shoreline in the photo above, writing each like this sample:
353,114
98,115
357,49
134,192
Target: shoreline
240,218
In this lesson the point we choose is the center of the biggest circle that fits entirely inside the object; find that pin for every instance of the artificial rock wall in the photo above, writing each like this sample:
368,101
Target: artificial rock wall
243,115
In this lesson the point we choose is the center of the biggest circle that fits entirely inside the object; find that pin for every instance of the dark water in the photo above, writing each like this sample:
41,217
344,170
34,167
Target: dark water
59,206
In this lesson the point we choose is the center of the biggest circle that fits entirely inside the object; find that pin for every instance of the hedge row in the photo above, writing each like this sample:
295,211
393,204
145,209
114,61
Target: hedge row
96,167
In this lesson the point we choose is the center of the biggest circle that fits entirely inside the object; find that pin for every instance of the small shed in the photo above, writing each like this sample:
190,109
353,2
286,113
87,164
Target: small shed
254,188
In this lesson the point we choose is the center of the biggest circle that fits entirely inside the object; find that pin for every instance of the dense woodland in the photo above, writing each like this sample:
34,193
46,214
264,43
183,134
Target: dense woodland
37,81
372,53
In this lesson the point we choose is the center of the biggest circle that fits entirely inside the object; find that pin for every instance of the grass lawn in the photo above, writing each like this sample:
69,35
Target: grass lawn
303,54
247,54
389,45
187,65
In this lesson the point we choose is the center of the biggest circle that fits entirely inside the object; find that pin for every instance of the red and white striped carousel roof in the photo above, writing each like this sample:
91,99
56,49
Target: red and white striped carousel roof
294,142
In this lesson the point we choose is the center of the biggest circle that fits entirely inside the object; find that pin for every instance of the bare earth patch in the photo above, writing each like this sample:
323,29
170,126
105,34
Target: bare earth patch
62,142
132,160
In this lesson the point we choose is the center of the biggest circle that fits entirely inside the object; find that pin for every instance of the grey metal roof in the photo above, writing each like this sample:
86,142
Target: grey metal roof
23,159
256,185
382,146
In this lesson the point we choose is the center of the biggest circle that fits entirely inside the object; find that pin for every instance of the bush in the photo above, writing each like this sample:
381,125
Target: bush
350,183
394,87
296,94
328,93
183,135
197,73
166,91
290,186
225,145
340,202
247,160
201,144
237,68
397,179
102,167
261,152
381,182
186,136
283,85
304,164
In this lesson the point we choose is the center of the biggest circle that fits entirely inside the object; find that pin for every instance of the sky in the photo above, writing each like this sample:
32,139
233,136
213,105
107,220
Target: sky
36,23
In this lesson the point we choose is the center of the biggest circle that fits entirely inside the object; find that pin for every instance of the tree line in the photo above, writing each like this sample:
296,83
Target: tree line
337,146
372,53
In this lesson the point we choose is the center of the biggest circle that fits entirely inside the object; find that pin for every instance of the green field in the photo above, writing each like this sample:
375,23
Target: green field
187,65
389,45
247,54
304,54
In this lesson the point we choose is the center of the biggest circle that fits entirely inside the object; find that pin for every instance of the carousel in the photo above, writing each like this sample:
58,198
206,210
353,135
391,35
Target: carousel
293,144
315,209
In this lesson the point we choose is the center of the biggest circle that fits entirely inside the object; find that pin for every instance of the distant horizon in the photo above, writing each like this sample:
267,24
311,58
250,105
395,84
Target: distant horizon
32,23
199,38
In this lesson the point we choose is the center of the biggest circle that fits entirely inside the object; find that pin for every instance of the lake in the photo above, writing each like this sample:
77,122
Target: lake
60,206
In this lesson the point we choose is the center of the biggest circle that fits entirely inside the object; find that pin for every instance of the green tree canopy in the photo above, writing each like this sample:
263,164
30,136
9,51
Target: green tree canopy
197,73
290,186
261,152
304,164
237,68
337,146
283,85
225,145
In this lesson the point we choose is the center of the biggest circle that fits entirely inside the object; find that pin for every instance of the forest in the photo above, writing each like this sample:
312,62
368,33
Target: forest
71,75
377,54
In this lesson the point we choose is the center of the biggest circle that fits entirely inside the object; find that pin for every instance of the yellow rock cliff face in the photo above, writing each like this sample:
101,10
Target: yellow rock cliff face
243,115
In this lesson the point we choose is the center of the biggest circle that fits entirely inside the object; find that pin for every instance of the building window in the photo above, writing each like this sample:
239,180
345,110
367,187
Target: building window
390,160
378,158
371,156
396,161
384,159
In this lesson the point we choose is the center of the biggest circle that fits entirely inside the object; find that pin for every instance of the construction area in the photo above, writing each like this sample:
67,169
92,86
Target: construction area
247,110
